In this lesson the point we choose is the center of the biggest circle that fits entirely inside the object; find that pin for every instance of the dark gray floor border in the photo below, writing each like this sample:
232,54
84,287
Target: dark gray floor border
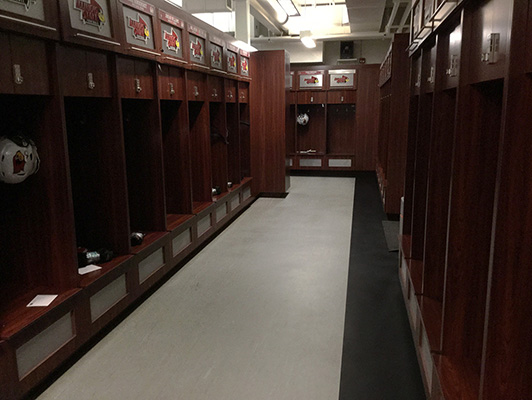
379,360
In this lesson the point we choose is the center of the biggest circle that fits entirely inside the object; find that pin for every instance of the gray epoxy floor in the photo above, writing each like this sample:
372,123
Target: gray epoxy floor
258,314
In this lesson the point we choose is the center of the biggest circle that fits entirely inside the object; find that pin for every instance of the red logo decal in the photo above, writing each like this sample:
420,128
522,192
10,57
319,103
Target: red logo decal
172,40
244,65
197,49
312,80
90,12
139,28
18,163
215,54
232,61
343,79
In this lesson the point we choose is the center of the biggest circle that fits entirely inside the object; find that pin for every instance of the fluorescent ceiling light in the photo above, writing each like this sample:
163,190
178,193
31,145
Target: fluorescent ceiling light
244,46
289,8
345,16
280,13
178,3
306,38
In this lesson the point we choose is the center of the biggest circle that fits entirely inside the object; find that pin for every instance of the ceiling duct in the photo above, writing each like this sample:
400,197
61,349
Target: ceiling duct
266,15
384,16
365,15
395,18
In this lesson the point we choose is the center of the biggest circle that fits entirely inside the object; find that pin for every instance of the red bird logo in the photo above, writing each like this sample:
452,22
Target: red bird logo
172,40
232,61
197,50
90,12
139,28
343,79
216,56
19,162
244,65
312,80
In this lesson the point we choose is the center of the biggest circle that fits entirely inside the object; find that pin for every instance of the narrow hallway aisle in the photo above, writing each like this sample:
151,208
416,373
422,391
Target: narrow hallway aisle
379,360
258,314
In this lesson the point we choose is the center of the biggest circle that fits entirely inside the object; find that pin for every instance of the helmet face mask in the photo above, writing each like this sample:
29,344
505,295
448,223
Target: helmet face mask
302,119
18,159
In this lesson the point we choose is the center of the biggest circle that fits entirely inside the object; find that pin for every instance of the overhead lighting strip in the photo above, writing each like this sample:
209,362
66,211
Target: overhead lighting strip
289,7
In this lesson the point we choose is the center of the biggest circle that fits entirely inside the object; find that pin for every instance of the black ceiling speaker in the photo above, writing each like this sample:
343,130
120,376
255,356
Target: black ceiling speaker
347,50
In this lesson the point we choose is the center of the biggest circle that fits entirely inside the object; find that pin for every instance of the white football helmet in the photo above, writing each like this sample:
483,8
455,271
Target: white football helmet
302,119
18,159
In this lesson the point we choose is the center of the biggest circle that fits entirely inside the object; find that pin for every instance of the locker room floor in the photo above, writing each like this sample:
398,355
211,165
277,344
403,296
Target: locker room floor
260,312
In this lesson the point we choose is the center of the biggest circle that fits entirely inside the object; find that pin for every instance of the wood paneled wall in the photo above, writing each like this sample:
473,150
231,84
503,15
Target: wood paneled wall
268,117
367,132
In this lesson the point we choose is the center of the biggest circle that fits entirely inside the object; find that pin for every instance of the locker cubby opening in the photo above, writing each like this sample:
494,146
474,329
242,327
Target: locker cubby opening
341,129
311,137
97,173
219,141
36,216
384,124
409,176
245,141
291,130
469,236
439,182
200,156
233,143
424,126
176,158
144,165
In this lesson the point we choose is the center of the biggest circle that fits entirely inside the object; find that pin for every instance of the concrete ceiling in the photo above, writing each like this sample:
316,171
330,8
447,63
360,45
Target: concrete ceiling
366,18
365,15
327,19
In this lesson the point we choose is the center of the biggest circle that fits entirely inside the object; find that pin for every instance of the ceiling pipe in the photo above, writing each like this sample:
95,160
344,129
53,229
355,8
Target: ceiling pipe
264,12
392,17
405,17
340,36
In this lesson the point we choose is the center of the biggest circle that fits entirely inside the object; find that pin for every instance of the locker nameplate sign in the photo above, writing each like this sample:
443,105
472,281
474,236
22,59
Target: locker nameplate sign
28,8
311,80
197,49
172,40
91,16
216,40
140,5
216,56
197,31
231,62
244,66
342,78
170,19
